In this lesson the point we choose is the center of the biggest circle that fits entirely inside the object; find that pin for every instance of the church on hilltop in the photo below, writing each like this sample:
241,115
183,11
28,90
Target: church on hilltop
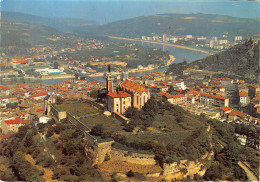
128,94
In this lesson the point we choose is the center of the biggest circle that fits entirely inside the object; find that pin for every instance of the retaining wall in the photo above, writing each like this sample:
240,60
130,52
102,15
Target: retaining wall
136,158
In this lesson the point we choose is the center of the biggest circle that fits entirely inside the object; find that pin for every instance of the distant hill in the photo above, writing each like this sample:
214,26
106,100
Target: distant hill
61,24
24,35
240,61
181,24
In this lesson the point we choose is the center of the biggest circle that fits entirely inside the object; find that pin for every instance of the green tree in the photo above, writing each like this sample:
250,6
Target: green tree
170,90
97,130
151,107
94,94
55,65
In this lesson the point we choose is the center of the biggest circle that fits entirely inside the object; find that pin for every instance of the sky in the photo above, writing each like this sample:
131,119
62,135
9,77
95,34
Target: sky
105,11
137,0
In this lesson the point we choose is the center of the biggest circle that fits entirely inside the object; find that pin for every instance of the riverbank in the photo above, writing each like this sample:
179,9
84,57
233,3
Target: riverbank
57,77
163,43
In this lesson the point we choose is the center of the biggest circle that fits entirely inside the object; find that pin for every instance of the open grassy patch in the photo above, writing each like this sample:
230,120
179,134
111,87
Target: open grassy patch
77,108
124,167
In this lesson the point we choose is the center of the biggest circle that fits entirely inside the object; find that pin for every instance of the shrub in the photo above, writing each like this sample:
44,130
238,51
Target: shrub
107,157
50,132
130,174
97,130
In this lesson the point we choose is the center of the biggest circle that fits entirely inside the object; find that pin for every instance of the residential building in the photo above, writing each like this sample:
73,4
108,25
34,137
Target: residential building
222,41
215,100
12,125
39,96
237,38
235,115
180,84
165,38
253,107
174,99
243,97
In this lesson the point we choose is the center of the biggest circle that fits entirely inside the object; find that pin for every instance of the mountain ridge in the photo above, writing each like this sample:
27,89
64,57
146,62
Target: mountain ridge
67,25
181,24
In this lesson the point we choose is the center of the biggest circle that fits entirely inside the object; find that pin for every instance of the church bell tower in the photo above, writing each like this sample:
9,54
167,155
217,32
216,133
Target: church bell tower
109,80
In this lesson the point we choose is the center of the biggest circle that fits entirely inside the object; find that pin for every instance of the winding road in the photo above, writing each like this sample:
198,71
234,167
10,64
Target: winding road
162,43
251,176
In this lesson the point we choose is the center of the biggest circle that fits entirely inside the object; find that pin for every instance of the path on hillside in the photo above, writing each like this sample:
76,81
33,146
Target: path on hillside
163,43
251,176
47,176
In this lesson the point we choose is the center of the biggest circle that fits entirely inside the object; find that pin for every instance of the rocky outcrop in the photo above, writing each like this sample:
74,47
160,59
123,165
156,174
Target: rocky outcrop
184,168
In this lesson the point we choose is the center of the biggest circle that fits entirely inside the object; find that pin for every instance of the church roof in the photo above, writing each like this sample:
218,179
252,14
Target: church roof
133,86
119,94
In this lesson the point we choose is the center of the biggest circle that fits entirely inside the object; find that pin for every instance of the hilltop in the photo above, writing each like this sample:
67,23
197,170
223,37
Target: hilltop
240,61
162,132
61,24
181,24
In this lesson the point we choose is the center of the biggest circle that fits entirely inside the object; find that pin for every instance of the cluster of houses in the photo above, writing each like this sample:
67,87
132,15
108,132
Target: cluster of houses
41,55
210,97
23,103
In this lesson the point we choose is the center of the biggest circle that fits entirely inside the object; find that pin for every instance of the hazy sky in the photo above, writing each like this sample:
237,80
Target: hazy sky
138,0
104,11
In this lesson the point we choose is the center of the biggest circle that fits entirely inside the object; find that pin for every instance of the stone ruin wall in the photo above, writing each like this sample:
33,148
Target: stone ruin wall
131,157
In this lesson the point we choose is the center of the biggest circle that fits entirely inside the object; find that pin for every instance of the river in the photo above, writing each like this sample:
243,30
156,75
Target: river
178,53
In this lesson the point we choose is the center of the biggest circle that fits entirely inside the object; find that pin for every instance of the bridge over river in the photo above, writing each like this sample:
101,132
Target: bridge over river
81,76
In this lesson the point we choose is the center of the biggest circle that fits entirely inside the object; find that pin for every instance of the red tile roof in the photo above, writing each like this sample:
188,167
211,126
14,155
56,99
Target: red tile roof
226,109
214,96
178,90
255,86
39,109
17,120
120,94
166,82
178,81
21,113
194,92
237,113
22,62
133,86
215,82
2,137
163,93
243,94
5,88
40,94
169,96
177,96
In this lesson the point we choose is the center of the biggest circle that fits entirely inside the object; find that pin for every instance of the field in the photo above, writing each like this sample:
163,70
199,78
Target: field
77,108
90,115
